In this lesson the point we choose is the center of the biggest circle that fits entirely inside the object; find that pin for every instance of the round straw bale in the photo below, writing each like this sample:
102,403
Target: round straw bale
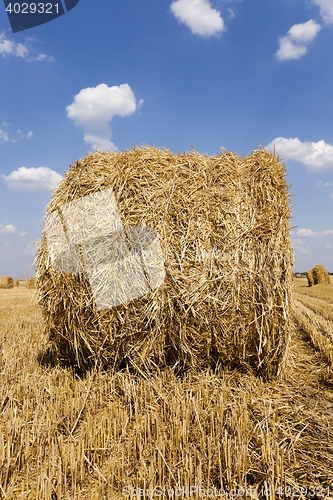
6,282
16,283
149,259
309,275
31,282
320,275
298,275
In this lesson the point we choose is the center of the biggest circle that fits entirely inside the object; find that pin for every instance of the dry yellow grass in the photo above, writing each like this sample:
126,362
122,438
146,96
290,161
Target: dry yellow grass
62,437
318,291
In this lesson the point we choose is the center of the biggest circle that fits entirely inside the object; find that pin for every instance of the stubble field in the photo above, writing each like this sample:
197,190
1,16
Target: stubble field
113,435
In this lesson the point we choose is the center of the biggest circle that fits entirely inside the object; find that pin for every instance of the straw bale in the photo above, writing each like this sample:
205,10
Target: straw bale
6,282
320,275
16,283
309,275
151,259
298,275
31,282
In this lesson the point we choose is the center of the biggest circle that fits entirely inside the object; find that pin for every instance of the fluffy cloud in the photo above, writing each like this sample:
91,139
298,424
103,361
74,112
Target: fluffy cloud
326,9
328,232
315,155
9,47
24,233
199,16
94,107
293,45
7,229
34,180
306,232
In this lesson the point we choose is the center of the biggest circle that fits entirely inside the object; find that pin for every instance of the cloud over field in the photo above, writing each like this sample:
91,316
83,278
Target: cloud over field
306,232
8,229
34,180
199,16
325,9
94,107
294,44
11,48
317,156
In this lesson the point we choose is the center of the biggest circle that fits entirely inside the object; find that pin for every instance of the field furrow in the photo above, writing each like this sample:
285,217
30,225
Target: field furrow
319,330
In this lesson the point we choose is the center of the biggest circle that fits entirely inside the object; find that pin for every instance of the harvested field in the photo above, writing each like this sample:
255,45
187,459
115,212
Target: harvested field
64,437
324,292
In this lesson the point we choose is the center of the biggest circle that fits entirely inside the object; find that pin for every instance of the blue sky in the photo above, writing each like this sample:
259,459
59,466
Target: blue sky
173,74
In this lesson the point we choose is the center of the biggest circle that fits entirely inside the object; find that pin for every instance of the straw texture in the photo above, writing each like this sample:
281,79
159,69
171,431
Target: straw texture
223,236
6,282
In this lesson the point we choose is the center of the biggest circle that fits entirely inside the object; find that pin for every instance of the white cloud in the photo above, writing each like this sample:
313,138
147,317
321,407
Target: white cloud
328,232
94,107
3,136
301,249
41,179
30,249
328,246
306,232
231,13
27,136
24,233
326,9
7,229
199,16
299,245
10,47
324,184
331,195
298,241
315,155
293,45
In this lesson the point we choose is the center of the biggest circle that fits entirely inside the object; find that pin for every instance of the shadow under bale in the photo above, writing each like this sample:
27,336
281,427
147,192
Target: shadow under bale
151,259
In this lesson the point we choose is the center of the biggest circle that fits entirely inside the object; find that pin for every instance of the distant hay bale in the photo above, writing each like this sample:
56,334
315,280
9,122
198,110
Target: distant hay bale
320,275
6,282
154,259
31,282
309,275
298,275
16,283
